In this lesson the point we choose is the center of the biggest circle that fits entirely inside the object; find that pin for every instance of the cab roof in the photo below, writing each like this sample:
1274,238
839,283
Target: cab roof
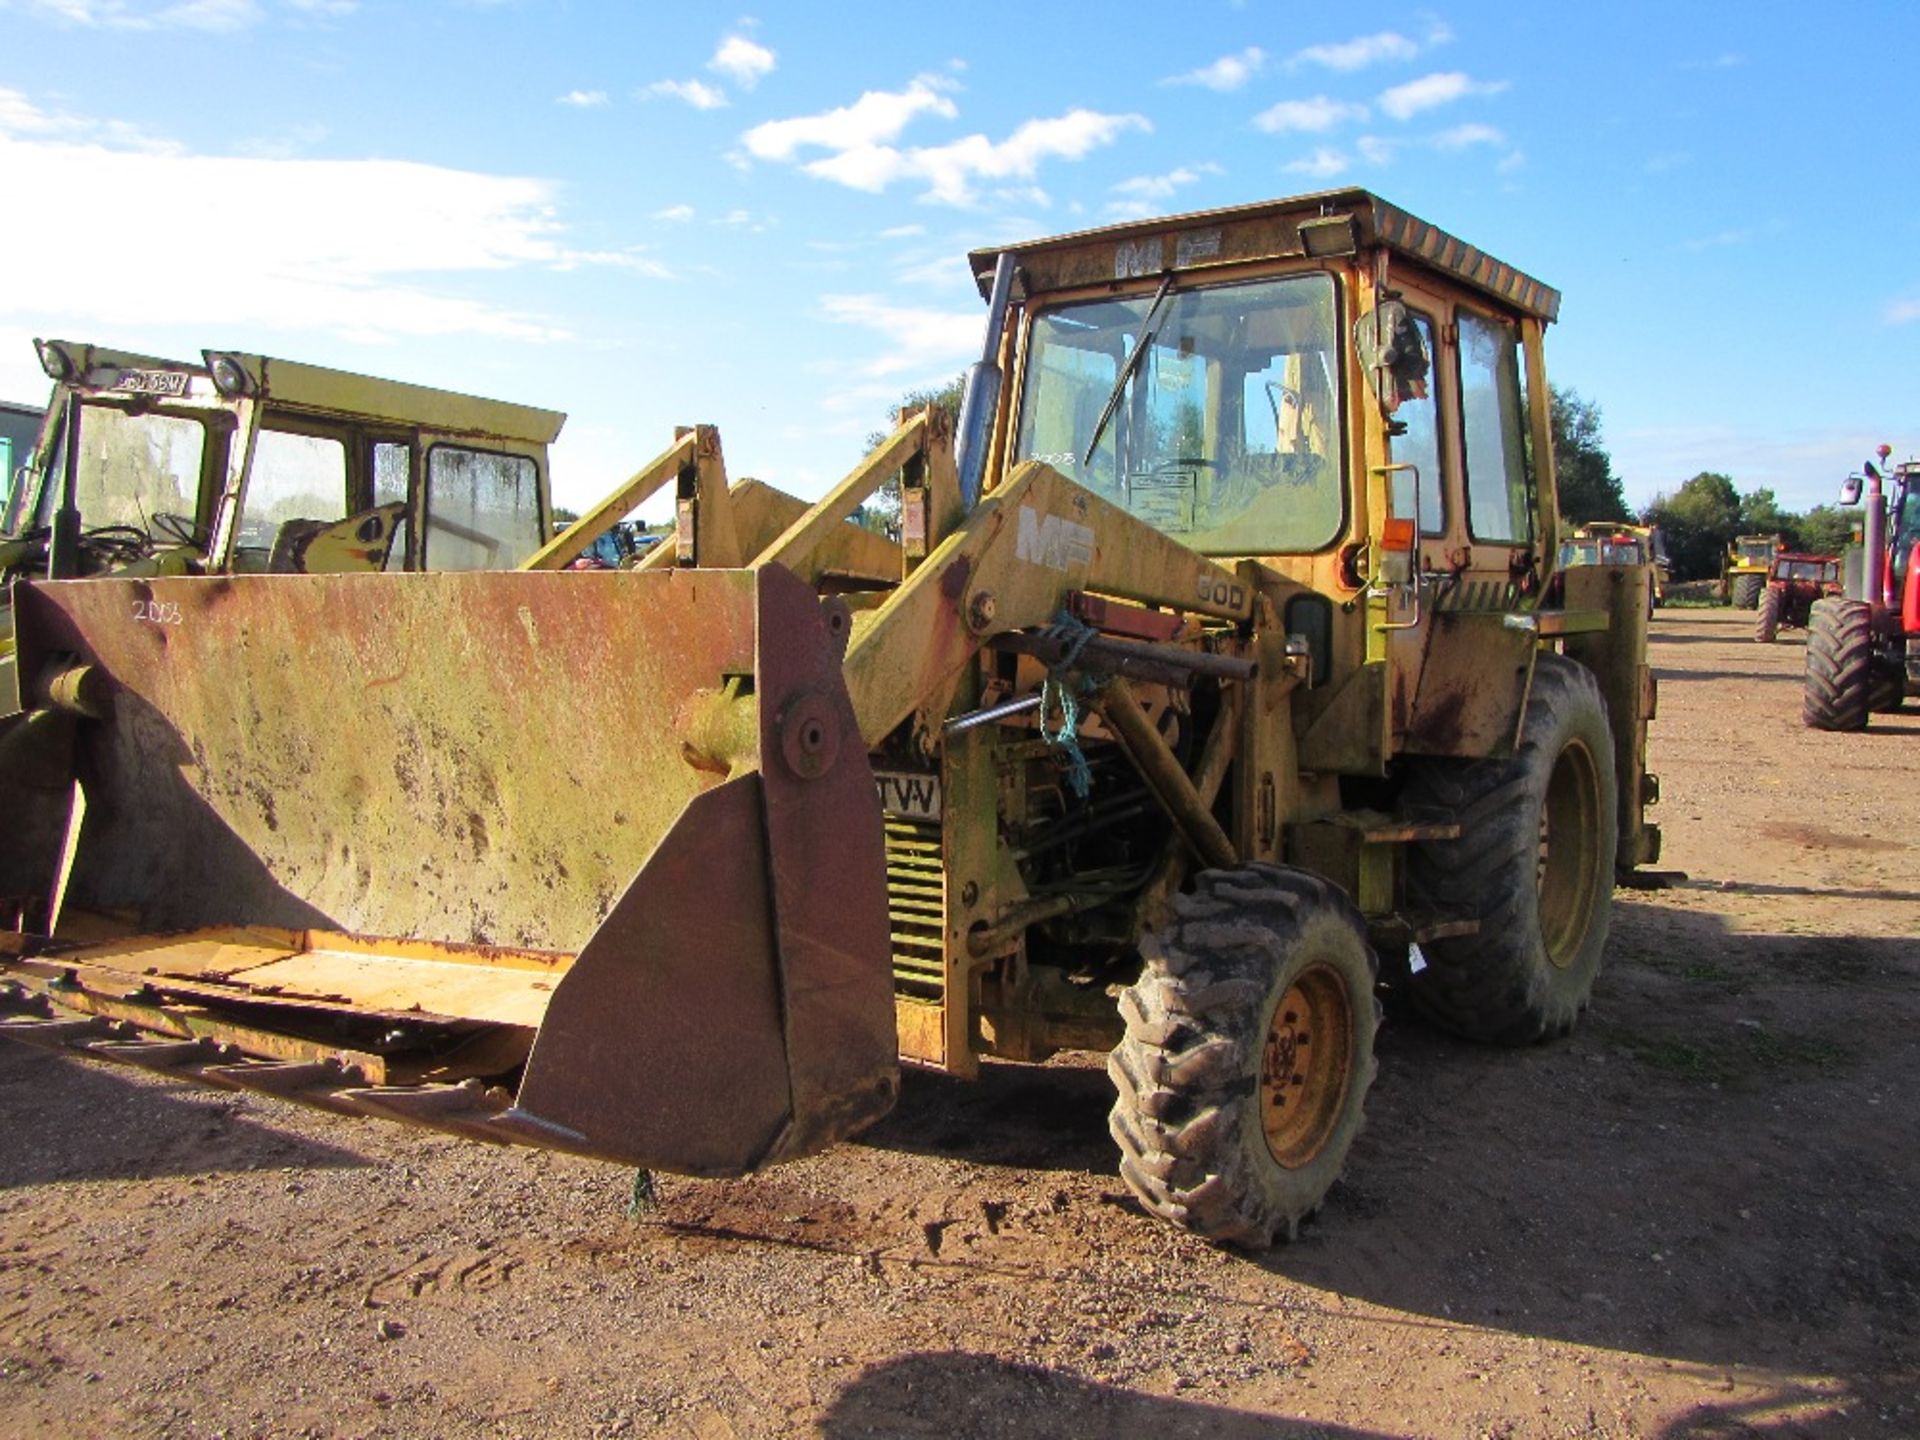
289,385
1332,222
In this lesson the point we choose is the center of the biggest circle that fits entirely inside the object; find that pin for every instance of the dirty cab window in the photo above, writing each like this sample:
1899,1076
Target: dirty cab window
293,477
1227,433
132,468
483,509
392,482
1494,419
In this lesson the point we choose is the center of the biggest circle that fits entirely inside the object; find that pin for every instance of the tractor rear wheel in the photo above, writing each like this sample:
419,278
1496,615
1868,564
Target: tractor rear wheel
1839,682
1242,1077
1766,622
1746,591
1533,864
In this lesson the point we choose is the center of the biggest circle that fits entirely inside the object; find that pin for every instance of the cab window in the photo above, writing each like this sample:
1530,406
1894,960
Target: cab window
1493,415
483,509
1227,432
1419,447
132,468
392,480
293,477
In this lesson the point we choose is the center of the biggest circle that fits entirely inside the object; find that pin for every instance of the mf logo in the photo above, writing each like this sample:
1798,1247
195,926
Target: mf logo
1053,541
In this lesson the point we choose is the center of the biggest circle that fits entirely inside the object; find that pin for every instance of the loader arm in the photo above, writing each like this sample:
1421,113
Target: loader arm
1011,565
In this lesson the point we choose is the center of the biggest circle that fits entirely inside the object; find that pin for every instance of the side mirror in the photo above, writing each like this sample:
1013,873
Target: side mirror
1393,354
1850,490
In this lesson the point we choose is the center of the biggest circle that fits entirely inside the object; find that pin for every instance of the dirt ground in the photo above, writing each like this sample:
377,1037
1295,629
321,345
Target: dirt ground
1697,1217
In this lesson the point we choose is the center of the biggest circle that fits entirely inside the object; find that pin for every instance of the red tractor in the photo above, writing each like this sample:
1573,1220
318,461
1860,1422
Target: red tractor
1794,583
1863,648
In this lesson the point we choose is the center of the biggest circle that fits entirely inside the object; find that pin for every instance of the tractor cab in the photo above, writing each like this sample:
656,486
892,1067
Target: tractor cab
243,464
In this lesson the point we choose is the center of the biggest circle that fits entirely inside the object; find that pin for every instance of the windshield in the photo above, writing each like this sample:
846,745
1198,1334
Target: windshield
132,468
1227,433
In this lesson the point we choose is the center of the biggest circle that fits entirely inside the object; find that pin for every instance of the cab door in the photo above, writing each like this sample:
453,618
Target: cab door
1480,560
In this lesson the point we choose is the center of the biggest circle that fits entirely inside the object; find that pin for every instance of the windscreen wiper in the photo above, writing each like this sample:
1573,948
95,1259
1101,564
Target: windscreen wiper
1149,328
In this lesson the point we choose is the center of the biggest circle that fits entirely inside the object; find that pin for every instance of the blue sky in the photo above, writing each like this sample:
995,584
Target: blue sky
647,217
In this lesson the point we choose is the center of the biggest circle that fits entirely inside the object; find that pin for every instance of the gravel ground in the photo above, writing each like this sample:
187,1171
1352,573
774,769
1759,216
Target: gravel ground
1693,1218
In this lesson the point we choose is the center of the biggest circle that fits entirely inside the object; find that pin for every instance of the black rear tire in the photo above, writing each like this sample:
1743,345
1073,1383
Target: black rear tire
1533,863
1746,591
1242,1078
1839,680
1766,620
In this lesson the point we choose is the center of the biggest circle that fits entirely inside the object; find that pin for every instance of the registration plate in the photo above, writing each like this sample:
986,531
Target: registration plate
152,382
908,794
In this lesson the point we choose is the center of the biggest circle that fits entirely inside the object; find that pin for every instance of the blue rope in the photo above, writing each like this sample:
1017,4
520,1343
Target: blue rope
1058,691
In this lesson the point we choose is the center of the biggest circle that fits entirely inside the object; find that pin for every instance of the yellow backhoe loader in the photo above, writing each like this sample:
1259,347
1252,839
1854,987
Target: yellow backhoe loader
240,464
1210,686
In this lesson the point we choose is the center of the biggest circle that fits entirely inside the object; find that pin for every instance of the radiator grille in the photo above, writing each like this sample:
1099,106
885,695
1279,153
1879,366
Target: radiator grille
916,908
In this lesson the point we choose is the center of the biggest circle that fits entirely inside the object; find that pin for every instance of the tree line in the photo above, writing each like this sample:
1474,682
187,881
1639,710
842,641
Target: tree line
1698,519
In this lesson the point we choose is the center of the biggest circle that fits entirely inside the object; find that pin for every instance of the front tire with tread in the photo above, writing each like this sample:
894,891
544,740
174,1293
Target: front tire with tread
1746,591
1838,691
1766,620
1533,864
1253,960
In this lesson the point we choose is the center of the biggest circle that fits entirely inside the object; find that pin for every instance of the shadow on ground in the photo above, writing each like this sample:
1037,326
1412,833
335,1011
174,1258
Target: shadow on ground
940,1394
69,1119
1720,1171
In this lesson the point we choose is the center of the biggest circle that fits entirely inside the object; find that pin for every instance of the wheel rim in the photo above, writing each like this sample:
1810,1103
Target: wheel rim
1305,1066
1565,872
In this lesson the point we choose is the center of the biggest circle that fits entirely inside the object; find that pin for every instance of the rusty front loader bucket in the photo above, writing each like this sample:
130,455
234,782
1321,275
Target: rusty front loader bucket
588,861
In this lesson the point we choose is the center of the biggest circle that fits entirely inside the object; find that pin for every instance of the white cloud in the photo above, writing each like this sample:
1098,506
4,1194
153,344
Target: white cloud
1462,137
330,9
1903,312
1229,72
1313,116
583,99
697,93
949,170
1403,102
1376,149
1365,50
20,116
902,232
1668,160
1323,164
1143,193
742,61
1160,187
1511,162
876,118
675,214
309,262
862,158
921,342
